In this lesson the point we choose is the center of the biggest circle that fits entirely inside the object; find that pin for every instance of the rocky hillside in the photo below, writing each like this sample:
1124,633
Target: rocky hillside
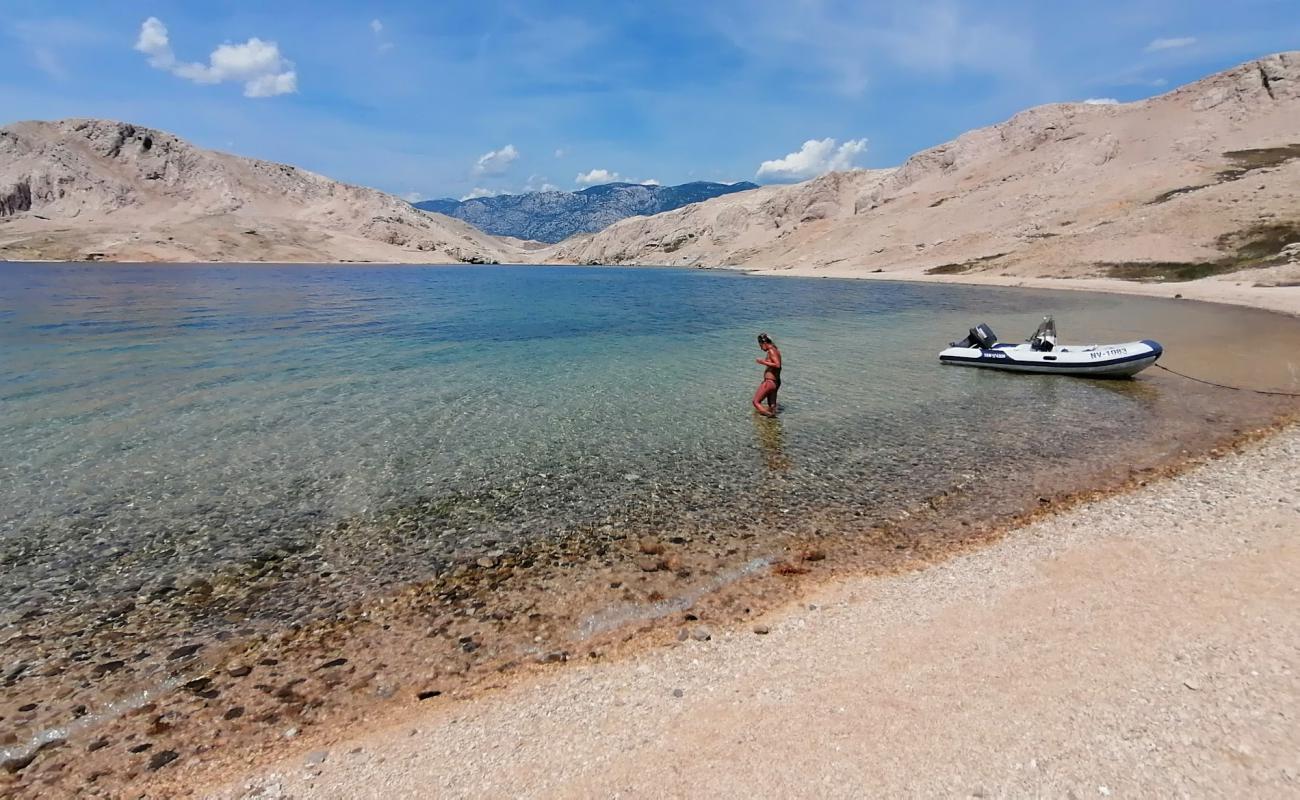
553,216
93,189
1199,181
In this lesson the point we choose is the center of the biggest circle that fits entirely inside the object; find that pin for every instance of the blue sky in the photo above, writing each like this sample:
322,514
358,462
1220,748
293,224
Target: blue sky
436,98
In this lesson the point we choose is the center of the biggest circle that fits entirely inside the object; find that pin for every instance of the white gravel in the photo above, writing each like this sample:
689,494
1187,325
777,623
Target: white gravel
1144,645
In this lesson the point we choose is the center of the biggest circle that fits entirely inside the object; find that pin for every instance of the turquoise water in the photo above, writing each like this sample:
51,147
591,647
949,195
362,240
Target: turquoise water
162,423
204,459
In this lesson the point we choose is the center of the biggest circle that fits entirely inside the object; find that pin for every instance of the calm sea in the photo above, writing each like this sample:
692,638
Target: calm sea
193,453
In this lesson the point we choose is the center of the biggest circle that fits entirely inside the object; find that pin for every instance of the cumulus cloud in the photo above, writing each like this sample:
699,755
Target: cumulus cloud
1101,101
596,176
413,197
256,64
538,183
376,26
496,162
559,152
816,157
599,176
477,192
1170,43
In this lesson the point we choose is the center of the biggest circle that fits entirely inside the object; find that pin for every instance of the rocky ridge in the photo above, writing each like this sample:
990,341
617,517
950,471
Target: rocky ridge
1199,181
554,216
84,189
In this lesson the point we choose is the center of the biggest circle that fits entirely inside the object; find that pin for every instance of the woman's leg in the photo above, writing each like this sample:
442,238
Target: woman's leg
765,390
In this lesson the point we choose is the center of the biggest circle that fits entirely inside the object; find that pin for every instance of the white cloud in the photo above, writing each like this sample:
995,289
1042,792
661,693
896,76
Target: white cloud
596,176
599,176
153,42
381,44
1101,101
477,192
255,63
538,183
413,197
1170,44
272,85
816,157
559,152
496,162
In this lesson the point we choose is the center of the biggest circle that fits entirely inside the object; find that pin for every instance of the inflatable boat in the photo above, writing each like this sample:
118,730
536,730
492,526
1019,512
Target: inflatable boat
1042,353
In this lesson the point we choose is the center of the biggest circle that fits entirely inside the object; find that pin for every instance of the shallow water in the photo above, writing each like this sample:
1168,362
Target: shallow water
177,419
293,440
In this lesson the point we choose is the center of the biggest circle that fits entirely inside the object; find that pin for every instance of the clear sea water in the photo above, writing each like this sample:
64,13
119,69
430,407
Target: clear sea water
200,456
177,419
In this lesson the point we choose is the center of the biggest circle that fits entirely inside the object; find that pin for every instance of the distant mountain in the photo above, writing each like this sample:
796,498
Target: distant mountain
553,216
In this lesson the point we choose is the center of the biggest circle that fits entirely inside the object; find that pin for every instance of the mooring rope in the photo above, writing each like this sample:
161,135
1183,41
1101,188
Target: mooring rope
1226,386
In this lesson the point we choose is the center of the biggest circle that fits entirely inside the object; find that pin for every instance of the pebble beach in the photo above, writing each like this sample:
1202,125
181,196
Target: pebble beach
1141,645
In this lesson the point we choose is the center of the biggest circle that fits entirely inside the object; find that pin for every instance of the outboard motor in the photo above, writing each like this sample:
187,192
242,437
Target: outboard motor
981,336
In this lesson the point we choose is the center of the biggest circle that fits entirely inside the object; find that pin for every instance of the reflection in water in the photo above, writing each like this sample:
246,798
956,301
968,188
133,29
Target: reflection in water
771,438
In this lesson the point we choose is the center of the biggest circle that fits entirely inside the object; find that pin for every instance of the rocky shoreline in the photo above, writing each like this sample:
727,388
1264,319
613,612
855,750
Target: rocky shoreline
1142,644
489,620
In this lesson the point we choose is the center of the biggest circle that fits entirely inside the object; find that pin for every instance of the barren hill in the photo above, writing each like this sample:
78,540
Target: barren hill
91,189
1199,181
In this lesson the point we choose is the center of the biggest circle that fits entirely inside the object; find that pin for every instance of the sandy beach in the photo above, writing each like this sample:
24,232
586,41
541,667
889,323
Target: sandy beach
1140,645
1143,645
1281,299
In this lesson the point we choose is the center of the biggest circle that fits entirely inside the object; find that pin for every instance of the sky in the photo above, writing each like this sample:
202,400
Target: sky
444,98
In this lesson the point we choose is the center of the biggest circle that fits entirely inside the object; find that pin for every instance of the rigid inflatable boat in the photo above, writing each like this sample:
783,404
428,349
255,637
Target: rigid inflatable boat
1041,353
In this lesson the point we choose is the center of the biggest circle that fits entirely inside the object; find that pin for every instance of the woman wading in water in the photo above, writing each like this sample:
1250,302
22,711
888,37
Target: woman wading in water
771,377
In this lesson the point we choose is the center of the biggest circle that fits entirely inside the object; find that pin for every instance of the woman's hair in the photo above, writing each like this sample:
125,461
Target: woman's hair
763,338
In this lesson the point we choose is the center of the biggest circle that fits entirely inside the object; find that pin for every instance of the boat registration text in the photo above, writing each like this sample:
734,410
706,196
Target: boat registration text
1110,352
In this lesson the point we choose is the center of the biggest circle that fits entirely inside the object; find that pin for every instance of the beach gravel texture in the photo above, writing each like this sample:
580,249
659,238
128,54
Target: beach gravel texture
1144,645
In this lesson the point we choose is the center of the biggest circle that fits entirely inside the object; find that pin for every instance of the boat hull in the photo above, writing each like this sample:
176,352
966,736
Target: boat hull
1092,361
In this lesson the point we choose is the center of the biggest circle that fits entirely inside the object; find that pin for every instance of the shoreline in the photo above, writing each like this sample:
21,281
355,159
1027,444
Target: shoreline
661,636
516,710
1097,648
1277,299
651,640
